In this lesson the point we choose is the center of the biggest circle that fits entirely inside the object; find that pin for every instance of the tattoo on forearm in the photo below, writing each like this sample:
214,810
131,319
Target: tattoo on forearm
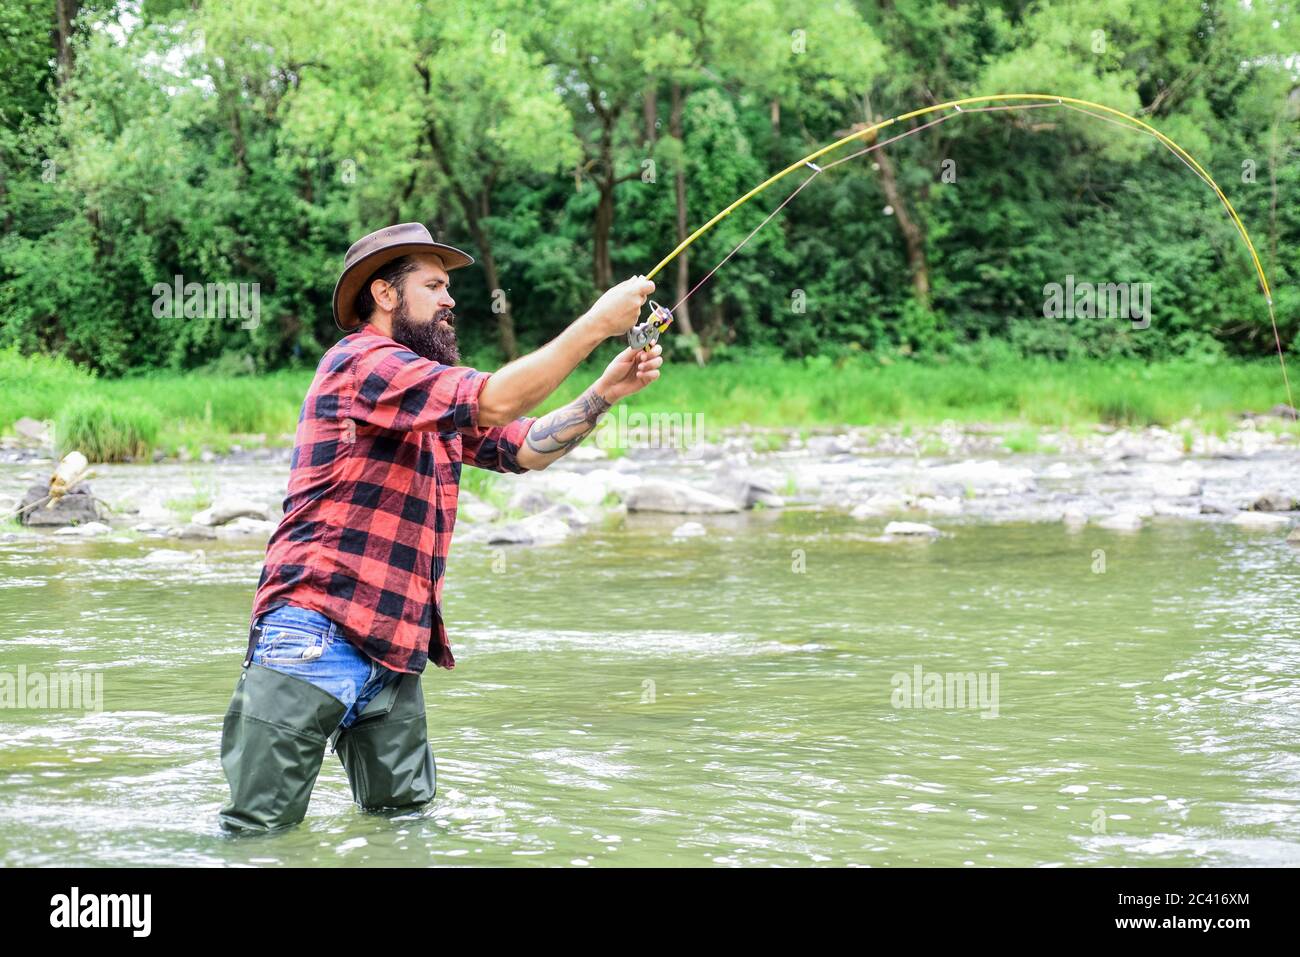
563,429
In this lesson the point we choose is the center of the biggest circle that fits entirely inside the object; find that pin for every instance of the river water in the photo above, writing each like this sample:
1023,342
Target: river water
739,698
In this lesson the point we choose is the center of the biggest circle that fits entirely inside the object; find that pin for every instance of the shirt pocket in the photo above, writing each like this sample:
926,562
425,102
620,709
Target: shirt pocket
447,460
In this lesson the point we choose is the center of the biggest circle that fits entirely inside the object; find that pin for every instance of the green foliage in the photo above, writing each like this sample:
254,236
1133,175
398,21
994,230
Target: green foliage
1021,440
106,432
253,142
36,386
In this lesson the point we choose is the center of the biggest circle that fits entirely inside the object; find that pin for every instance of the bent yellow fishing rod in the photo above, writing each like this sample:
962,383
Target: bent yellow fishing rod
645,334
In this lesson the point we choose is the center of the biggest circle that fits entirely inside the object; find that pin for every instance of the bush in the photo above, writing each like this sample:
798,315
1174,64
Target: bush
36,386
106,432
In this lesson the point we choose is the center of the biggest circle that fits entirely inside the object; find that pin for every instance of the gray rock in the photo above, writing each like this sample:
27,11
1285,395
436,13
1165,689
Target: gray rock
174,556
227,509
748,490
32,431
534,530
1164,455
530,501
910,528
878,504
1075,514
76,507
701,451
830,444
1178,488
1263,521
587,453
545,527
939,505
1177,510
676,498
245,527
570,515
512,533
88,530
983,475
197,531
1121,522
153,510
586,489
689,530
1273,502
474,509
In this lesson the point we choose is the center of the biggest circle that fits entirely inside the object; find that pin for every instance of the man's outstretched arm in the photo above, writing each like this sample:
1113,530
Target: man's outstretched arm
519,386
556,433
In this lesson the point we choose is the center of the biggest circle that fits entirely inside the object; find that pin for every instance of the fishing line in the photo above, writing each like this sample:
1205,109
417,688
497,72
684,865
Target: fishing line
1039,100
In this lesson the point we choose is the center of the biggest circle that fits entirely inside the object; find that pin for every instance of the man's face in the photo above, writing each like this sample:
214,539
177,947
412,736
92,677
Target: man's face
422,317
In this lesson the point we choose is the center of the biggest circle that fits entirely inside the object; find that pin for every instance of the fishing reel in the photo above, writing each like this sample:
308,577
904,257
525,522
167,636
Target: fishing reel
645,334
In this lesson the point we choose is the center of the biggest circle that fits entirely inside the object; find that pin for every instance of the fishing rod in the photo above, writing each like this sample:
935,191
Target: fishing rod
645,334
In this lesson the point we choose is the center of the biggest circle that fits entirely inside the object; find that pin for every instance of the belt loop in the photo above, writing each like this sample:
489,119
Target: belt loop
253,630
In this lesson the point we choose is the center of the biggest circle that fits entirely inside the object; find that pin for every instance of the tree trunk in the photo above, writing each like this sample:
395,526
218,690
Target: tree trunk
505,318
682,314
602,271
7,223
913,238
65,11
651,115
477,209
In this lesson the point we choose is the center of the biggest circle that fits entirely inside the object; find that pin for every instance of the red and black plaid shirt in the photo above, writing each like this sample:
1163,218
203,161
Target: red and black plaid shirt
372,496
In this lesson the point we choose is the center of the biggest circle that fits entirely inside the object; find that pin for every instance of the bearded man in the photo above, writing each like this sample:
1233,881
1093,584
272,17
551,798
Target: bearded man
348,608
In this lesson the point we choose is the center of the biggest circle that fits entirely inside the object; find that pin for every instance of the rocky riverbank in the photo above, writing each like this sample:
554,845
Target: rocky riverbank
897,482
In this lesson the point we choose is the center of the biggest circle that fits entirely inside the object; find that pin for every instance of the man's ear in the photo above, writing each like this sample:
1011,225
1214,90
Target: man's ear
384,295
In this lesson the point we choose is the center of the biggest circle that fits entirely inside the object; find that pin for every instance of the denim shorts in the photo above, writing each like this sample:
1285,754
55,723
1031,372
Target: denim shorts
306,644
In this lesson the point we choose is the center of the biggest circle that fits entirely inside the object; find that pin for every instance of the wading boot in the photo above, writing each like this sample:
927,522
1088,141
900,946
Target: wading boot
272,744
386,750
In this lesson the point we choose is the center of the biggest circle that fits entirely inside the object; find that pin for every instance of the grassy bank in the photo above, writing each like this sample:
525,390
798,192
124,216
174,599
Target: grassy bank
172,412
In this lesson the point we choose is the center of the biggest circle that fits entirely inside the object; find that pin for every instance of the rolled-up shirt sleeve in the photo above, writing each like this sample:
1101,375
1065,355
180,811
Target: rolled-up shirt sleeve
397,389
496,448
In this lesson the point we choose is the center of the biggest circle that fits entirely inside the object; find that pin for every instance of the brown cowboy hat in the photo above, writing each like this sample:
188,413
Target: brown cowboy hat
377,249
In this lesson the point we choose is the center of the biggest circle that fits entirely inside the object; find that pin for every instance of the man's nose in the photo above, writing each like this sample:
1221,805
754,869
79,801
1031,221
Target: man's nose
446,302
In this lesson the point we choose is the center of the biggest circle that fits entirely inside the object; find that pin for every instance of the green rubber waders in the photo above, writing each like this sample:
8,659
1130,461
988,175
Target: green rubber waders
272,745
386,752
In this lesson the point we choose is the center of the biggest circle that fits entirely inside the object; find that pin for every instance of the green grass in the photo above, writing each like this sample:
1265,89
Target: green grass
769,442
109,419
1036,393
106,431
1030,394
1022,440
482,484
125,416
201,498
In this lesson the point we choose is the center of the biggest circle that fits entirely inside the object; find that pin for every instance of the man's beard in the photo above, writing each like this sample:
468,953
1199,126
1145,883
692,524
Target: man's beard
433,340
